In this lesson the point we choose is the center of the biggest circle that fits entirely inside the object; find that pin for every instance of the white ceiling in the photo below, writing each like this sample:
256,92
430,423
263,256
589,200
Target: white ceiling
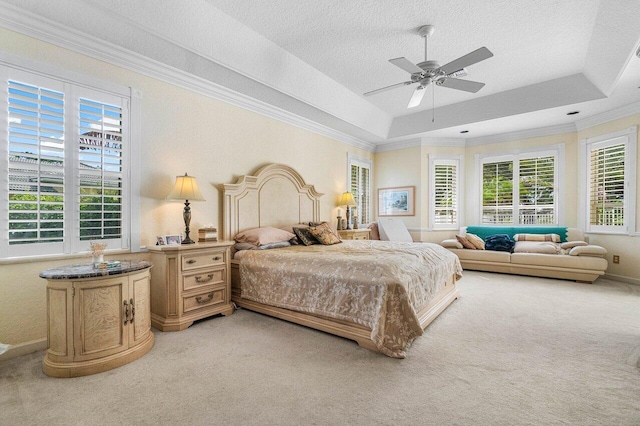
314,59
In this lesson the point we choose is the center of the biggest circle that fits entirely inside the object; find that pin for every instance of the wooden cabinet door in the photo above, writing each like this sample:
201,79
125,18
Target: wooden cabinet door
139,298
99,315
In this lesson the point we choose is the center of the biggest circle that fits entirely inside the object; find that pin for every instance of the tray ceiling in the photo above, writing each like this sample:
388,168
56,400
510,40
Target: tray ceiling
315,59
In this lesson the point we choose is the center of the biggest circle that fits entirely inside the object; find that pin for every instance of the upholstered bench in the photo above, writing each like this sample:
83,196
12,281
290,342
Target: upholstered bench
571,258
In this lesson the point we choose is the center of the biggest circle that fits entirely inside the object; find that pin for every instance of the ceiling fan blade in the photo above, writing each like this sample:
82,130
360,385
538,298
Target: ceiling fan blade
466,60
466,85
417,96
382,89
406,65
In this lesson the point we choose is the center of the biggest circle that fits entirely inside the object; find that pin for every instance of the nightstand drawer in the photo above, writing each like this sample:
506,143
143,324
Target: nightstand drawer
207,277
203,259
361,236
207,298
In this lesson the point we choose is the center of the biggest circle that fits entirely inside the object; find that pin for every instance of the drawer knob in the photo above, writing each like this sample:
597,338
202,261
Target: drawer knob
217,258
200,299
191,261
206,280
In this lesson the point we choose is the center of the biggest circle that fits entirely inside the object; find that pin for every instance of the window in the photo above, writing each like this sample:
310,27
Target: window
444,190
609,173
68,153
360,186
521,189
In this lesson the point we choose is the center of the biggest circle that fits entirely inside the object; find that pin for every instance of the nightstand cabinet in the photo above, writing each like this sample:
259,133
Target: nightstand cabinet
189,282
355,234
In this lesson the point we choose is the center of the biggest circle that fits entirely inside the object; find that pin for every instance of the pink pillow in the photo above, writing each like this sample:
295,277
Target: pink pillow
375,234
261,236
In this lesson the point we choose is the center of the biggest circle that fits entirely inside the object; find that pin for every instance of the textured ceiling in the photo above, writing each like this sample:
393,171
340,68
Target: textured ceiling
352,41
313,60
533,42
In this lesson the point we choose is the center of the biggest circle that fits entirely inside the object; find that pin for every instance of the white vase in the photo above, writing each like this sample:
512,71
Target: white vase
98,260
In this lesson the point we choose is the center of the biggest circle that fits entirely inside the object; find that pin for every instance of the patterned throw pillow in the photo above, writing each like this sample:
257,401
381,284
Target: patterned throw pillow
305,236
477,242
324,234
466,243
554,238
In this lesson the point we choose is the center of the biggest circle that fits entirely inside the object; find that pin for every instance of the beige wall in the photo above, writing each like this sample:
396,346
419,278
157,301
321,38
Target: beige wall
182,132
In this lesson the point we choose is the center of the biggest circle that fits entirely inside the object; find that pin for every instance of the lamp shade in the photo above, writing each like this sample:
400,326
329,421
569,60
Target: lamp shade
186,188
347,200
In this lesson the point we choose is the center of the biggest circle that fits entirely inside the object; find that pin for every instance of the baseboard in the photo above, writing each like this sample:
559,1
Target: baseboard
621,278
24,349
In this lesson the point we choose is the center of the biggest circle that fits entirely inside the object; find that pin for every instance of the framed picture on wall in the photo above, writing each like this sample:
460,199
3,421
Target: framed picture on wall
397,201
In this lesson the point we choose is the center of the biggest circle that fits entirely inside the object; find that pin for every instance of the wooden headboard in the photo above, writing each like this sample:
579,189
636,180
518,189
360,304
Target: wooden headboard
275,195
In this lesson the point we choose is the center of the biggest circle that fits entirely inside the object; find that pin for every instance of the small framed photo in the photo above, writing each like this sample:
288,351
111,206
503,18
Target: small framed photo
396,201
160,240
173,240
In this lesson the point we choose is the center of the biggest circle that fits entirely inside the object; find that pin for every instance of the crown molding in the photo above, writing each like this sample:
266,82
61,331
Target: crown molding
444,142
392,146
522,134
46,30
607,116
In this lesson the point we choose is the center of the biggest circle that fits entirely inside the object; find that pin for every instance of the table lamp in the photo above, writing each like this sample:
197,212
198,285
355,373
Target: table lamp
186,188
348,201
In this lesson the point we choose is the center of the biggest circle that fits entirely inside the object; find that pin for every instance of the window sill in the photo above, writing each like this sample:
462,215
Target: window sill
53,257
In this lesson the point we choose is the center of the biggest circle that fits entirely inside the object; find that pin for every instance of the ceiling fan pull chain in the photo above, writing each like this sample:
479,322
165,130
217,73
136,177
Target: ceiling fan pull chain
433,105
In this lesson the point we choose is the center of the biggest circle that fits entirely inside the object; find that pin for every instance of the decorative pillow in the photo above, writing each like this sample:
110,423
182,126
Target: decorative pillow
249,246
324,234
452,243
305,236
465,243
477,242
261,236
554,238
499,242
571,244
375,233
589,250
541,247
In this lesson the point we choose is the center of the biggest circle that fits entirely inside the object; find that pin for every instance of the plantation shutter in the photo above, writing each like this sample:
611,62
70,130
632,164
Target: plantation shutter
537,191
497,192
36,165
100,171
360,188
446,194
607,185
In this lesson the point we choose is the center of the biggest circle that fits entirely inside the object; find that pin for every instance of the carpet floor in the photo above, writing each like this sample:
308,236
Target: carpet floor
511,351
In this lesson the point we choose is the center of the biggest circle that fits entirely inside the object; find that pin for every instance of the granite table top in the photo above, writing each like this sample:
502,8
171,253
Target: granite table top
87,270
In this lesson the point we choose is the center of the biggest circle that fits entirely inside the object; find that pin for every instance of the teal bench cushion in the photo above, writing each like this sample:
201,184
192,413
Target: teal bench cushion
484,231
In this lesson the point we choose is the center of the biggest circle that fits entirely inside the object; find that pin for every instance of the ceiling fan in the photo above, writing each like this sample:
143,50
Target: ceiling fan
427,72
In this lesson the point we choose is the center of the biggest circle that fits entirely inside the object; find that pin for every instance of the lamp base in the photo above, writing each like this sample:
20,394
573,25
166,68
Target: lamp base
188,241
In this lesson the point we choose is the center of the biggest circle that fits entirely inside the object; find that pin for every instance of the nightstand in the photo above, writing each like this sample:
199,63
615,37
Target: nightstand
355,234
189,282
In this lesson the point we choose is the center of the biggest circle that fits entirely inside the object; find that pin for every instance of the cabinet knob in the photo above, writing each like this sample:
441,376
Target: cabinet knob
217,258
191,261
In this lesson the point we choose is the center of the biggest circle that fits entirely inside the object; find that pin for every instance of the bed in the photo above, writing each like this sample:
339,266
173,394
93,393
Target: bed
382,294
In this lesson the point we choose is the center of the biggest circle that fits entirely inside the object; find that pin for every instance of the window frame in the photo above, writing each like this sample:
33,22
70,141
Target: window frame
557,151
13,67
629,137
458,162
353,160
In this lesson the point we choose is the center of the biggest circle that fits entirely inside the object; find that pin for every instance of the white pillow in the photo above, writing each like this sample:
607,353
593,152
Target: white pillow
393,229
